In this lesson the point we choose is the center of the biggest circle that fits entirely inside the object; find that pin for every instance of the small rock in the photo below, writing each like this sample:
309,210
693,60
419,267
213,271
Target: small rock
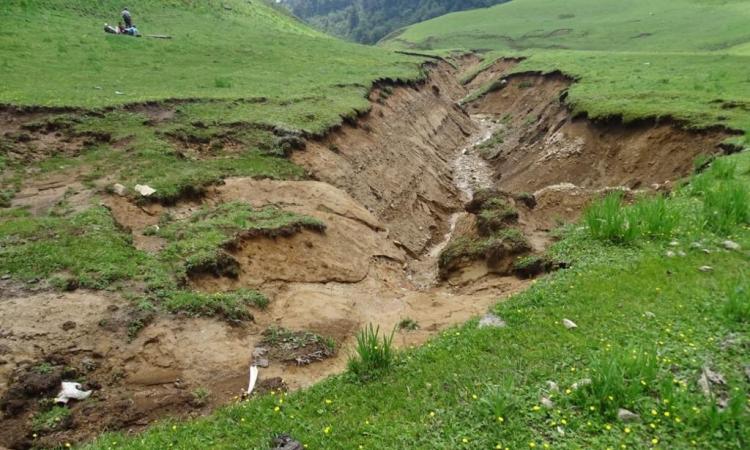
552,386
623,415
705,269
747,372
5,277
285,442
674,244
649,314
581,383
561,431
706,251
261,362
119,189
696,245
69,325
731,245
259,352
681,254
670,254
547,403
144,190
704,385
569,324
492,321
714,377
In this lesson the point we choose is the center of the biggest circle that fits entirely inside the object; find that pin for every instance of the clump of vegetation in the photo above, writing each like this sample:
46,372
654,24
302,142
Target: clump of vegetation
737,305
499,402
531,266
497,239
495,215
232,306
496,248
609,219
297,347
197,244
618,380
200,397
487,148
54,419
408,324
374,354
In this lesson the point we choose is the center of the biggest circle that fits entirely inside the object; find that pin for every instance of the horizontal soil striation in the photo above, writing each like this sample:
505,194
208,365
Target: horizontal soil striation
543,145
396,160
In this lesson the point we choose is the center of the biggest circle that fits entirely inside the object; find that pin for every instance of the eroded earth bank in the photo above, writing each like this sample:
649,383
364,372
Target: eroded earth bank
432,210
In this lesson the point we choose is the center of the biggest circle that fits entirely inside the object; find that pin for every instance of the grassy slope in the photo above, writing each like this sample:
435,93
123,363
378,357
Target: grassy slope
249,76
428,400
655,318
638,59
59,48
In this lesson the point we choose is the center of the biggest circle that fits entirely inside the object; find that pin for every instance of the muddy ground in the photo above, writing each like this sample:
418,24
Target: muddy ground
391,189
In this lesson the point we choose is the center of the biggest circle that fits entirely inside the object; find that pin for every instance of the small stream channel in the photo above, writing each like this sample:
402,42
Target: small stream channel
471,173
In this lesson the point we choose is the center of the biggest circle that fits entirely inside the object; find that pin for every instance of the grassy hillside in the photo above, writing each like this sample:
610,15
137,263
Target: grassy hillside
230,94
220,49
643,58
370,21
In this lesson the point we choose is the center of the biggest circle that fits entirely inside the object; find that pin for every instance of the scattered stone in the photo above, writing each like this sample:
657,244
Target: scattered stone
706,269
581,383
731,245
492,321
696,245
552,386
674,244
704,385
747,372
285,442
259,352
119,189
649,314
623,415
261,362
682,254
69,325
5,277
670,254
706,251
144,190
569,324
547,403
714,377
561,431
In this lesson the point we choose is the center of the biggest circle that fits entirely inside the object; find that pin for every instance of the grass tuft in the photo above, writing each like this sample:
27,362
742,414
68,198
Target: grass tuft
374,356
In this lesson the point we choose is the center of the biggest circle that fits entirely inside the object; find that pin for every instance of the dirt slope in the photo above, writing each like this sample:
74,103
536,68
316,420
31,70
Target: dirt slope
543,145
396,160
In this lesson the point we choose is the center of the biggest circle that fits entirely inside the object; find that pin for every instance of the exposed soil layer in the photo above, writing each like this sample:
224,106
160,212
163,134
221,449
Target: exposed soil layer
543,145
391,189
396,160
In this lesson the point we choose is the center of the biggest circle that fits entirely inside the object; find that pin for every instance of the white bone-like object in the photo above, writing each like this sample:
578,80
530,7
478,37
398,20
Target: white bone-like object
71,390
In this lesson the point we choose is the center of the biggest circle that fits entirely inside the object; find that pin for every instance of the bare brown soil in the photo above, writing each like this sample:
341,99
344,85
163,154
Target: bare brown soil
391,187
543,145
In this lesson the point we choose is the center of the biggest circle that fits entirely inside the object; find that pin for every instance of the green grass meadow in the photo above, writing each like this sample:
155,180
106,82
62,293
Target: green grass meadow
658,294
632,59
